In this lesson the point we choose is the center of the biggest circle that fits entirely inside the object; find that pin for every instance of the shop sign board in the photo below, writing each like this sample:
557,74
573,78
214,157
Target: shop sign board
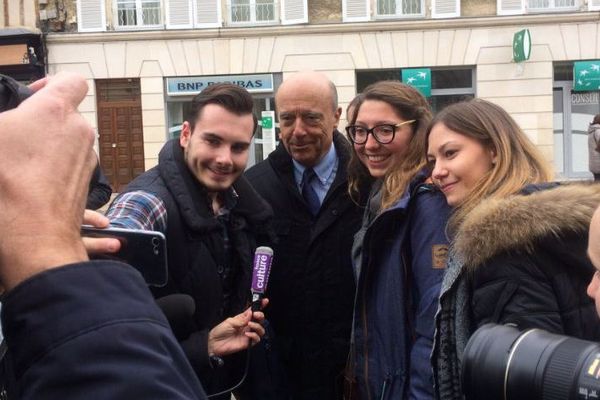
419,78
586,76
192,85
268,131
521,46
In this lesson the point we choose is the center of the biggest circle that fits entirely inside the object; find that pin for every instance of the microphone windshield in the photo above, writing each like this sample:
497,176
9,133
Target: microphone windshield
263,258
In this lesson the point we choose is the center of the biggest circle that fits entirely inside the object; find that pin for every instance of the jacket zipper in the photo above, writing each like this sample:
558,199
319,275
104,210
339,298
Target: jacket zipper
384,388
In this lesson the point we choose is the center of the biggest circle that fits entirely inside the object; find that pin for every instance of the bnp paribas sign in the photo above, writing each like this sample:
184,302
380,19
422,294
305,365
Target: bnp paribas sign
586,75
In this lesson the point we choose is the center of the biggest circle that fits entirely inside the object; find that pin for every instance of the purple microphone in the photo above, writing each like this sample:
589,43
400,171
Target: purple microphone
263,258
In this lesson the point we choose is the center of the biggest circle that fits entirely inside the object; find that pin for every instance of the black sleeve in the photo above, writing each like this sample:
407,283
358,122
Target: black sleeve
92,330
513,289
99,190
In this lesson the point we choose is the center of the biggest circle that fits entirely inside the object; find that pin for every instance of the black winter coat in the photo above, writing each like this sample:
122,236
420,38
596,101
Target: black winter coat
311,289
521,260
532,268
193,269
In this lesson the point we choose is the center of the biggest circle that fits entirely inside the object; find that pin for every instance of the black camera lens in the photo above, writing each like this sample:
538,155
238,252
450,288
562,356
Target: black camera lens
501,362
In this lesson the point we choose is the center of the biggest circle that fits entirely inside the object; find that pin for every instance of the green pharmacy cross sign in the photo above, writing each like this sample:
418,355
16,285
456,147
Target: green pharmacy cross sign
419,78
586,75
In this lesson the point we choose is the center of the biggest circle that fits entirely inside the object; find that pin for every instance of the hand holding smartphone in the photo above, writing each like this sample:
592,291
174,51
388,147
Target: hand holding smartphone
146,251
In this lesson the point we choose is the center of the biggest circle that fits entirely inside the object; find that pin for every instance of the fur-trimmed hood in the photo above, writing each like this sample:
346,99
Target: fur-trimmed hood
518,222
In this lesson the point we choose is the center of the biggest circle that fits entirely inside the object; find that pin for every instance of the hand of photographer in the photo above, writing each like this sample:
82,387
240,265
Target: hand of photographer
232,335
95,246
46,159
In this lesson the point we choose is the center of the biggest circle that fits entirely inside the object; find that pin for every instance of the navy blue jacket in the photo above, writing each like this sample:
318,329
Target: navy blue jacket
92,331
402,265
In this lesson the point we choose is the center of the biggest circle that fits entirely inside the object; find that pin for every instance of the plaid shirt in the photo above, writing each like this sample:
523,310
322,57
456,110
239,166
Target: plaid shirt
138,210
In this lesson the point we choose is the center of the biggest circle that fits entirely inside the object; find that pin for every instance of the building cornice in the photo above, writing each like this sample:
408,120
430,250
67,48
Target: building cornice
321,29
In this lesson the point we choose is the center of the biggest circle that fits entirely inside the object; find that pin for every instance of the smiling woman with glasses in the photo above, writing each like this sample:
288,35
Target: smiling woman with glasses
399,252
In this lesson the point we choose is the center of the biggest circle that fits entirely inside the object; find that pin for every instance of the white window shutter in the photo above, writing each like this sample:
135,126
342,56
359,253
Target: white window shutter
179,14
91,16
510,7
356,10
208,13
593,5
445,8
294,12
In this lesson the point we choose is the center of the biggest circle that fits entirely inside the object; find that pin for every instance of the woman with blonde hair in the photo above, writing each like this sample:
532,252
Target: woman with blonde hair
399,253
518,252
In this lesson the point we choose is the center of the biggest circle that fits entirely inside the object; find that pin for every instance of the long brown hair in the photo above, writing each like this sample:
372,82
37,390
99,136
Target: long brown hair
409,104
358,174
518,162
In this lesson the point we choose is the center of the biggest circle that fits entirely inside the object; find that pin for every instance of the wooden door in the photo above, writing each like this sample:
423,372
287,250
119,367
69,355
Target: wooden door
120,131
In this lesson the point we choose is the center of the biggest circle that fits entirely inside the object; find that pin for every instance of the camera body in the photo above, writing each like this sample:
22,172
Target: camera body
12,93
501,362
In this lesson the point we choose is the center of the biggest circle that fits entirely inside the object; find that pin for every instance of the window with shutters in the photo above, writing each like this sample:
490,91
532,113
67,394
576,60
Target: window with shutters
541,5
253,12
511,7
399,8
138,13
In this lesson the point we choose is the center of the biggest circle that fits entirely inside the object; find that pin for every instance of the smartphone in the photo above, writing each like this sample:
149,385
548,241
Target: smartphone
146,251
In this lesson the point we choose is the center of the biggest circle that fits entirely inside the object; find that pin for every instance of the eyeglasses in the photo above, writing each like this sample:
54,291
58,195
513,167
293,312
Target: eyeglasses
383,133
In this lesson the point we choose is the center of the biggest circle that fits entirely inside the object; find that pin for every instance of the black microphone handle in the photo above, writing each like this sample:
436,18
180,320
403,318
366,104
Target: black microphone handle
257,301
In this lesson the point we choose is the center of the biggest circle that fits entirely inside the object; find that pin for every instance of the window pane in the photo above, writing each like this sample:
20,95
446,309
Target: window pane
126,13
564,3
150,12
438,103
563,72
386,7
365,78
539,3
451,78
411,7
240,10
265,10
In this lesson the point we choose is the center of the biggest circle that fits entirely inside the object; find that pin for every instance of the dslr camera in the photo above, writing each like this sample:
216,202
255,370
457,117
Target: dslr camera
501,362
12,93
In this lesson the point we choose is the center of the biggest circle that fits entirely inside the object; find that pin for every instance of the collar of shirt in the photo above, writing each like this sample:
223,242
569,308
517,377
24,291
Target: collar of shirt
323,169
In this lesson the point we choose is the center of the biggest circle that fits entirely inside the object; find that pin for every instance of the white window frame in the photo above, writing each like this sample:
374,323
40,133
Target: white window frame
253,21
398,7
139,14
